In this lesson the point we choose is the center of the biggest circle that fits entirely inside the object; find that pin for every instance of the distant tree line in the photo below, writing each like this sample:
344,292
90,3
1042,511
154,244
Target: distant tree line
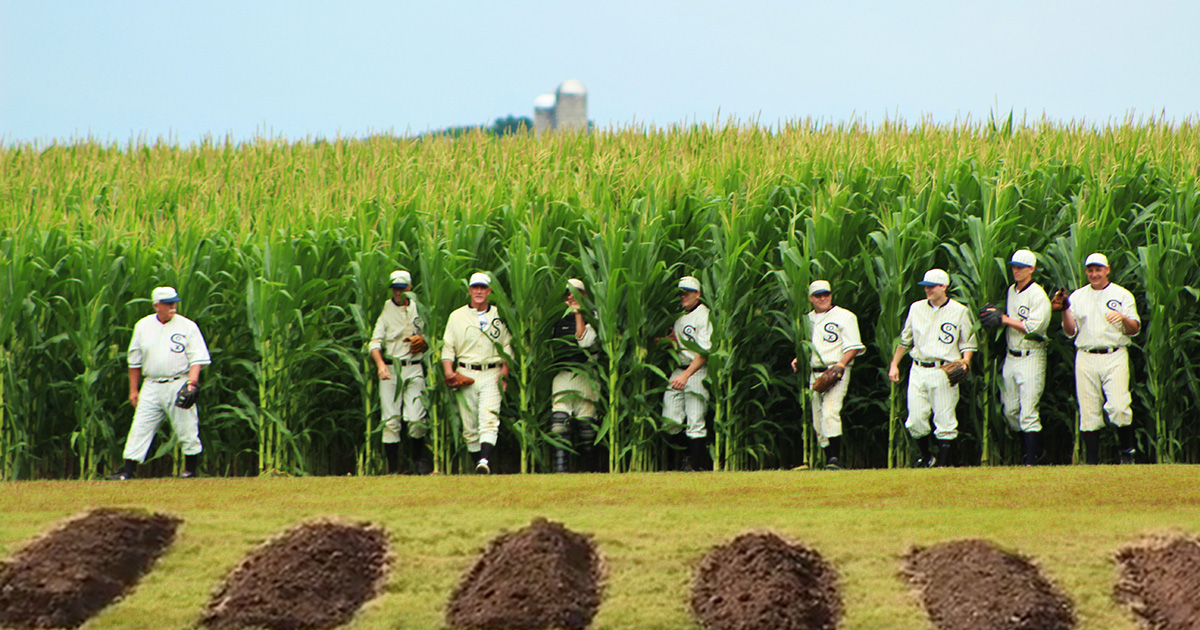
501,127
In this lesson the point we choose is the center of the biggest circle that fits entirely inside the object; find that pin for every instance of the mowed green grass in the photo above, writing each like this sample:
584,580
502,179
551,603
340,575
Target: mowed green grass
651,530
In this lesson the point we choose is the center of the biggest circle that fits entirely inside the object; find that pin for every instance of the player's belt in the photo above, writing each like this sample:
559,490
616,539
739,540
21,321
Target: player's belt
1101,350
166,380
820,368
929,364
478,367
1019,353
402,362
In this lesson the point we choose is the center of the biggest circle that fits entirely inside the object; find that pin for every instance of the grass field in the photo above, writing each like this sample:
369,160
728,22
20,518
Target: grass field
650,528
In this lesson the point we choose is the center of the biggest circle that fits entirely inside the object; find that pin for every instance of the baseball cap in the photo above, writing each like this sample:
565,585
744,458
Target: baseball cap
401,279
688,283
166,295
1096,259
1023,258
576,283
819,286
934,277
480,279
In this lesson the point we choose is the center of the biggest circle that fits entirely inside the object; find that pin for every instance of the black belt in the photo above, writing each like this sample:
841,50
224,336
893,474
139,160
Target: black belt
1019,353
929,364
479,368
820,368
402,362
165,380
1101,350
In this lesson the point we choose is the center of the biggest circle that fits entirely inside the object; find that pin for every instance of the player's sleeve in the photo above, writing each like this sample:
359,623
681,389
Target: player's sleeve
906,333
134,355
449,339
1073,301
704,333
377,335
589,337
851,339
1039,315
197,349
966,326
1129,309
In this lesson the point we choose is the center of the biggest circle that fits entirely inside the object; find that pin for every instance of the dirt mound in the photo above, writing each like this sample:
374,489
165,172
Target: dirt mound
760,580
66,576
543,576
314,576
1160,581
972,585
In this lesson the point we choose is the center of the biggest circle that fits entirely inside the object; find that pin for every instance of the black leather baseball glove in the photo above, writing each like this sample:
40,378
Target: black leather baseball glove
187,396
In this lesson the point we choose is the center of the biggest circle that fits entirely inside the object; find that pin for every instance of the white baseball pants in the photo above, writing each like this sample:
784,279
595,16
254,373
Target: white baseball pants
1103,379
1022,381
574,394
929,392
827,409
479,407
156,401
691,405
409,381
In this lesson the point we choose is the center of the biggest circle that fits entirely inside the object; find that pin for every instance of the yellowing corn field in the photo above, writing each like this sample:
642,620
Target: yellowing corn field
281,253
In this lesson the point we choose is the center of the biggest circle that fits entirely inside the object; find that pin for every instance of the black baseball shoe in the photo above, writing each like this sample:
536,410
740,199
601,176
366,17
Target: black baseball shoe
1129,457
187,474
930,462
833,464
120,475
482,467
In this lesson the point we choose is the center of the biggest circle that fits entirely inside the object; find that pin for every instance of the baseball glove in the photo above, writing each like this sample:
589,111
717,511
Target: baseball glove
456,380
956,371
990,316
187,396
828,379
1060,301
417,344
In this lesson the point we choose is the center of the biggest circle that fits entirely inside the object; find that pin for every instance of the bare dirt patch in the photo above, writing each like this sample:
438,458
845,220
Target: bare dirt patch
973,585
761,581
540,577
1160,582
66,576
311,577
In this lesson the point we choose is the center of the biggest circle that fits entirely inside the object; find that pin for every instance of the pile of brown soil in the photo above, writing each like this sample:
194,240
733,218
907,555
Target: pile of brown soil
314,576
761,581
1160,582
543,576
66,576
972,585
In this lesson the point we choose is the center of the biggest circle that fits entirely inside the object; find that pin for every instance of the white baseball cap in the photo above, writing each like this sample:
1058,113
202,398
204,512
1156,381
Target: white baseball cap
935,277
166,295
480,279
688,283
575,282
1096,259
401,279
819,286
1023,258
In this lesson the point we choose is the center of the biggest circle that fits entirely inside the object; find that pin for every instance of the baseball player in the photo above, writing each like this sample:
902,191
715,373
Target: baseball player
938,330
574,391
168,350
836,342
686,398
401,370
475,344
1101,317
1023,377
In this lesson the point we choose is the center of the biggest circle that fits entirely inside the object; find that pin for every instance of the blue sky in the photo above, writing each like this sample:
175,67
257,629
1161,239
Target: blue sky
122,69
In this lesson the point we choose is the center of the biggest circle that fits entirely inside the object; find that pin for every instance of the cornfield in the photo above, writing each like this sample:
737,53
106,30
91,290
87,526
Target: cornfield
281,252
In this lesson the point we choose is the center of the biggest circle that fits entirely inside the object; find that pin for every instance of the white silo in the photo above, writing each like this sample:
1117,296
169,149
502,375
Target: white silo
543,113
570,109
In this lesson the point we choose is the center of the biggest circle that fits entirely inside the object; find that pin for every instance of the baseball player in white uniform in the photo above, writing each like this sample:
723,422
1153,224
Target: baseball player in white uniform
401,373
475,344
574,392
168,350
685,403
836,342
938,330
1101,317
1023,377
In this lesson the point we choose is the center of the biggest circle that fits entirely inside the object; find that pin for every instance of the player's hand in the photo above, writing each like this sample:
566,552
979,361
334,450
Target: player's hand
1114,318
133,398
793,365
679,382
384,373
503,384
894,373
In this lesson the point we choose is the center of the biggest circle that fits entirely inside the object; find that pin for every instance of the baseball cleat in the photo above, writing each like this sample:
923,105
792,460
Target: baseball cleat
833,464
187,474
482,467
1128,457
119,476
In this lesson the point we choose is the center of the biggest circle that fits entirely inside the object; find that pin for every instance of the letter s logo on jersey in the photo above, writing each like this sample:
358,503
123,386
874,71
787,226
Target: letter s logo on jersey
1113,305
1023,312
178,342
948,331
831,333
689,331
494,330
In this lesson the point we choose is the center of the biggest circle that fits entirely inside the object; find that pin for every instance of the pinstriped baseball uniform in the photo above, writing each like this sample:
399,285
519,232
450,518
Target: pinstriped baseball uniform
164,352
573,391
691,404
935,335
1023,377
393,328
834,333
1102,361
474,341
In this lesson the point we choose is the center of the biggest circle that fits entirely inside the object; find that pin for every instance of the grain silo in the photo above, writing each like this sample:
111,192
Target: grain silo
543,113
570,108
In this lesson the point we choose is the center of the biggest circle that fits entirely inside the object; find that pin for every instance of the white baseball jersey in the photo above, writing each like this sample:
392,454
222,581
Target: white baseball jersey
1023,378
474,337
166,350
1032,307
393,328
693,326
834,333
938,333
1089,307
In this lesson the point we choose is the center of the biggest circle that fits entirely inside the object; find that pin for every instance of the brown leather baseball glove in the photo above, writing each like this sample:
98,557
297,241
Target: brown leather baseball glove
956,371
1060,301
828,379
456,380
417,344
